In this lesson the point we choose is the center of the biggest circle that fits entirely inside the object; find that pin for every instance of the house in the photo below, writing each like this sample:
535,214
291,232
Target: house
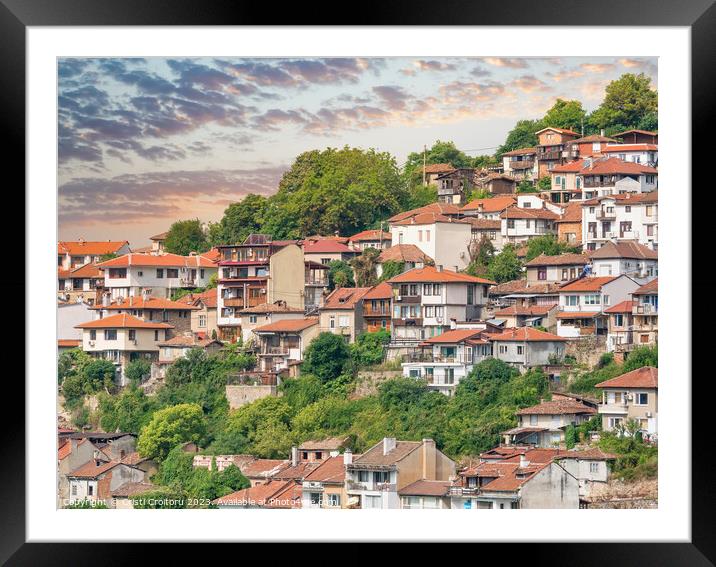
179,346
425,300
409,255
442,238
204,316
560,268
63,345
489,229
454,185
284,494
621,217
222,462
569,224
151,309
587,146
496,183
374,479
136,275
84,283
490,208
72,453
123,497
158,242
551,148
316,284
74,254
633,395
326,251
515,484
123,338
444,360
525,293
543,425
521,164
634,323
582,303
258,271
434,170
318,450
637,153
69,315
607,175
377,308
527,347
378,239
425,495
324,487
637,137
627,257
518,224
566,183
342,312
97,479
283,342
529,316
265,314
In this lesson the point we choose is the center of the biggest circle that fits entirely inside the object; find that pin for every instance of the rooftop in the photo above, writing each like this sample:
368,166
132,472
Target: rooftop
568,259
491,204
122,321
644,377
288,325
90,248
594,283
433,274
404,253
344,297
525,334
557,407
625,249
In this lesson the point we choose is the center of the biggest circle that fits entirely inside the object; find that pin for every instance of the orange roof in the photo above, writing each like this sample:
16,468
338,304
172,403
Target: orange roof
92,470
615,165
649,288
263,467
530,311
91,248
454,336
208,298
381,291
146,303
588,284
438,168
86,271
569,167
279,306
68,343
577,314
623,307
259,495
428,217
557,407
636,131
288,325
426,488
625,249
490,205
592,138
484,224
522,213
644,377
525,334
440,208
630,148
370,235
213,255
432,274
149,260
560,130
160,236
345,297
571,213
567,259
624,199
506,475
404,253
327,246
122,321
521,151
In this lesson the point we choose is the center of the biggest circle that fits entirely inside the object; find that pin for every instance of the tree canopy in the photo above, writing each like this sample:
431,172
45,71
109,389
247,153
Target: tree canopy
170,427
186,236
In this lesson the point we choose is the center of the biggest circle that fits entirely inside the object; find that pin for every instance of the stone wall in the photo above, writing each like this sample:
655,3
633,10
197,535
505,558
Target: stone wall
587,349
241,395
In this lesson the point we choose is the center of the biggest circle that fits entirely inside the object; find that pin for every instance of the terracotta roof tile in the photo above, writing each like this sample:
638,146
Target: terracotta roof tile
332,471
527,213
559,260
375,457
528,311
622,307
613,148
625,249
594,283
432,274
644,377
92,470
89,248
381,291
426,488
439,208
370,235
345,297
68,343
557,407
404,253
438,168
327,246
122,321
520,152
649,288
453,336
525,334
288,325
146,303
491,204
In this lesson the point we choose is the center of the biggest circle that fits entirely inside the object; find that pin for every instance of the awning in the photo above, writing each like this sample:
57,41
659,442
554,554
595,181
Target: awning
518,430
578,314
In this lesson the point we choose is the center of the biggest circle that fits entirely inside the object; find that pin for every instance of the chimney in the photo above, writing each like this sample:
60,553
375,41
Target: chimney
348,457
388,444
523,461
105,299
439,267
429,459
480,207
294,456
601,132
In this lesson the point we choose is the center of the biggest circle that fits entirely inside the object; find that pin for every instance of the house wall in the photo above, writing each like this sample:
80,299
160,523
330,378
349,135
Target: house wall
610,409
144,341
447,243
210,320
552,487
354,321
248,325
570,232
535,353
70,315
554,273
241,395
286,281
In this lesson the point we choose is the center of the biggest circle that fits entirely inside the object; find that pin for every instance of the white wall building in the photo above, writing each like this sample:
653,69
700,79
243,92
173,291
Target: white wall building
621,217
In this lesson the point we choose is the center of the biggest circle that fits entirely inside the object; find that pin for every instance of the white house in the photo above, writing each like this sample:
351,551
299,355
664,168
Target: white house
543,424
647,154
631,396
490,208
521,164
526,347
611,176
625,257
73,254
69,315
531,217
621,217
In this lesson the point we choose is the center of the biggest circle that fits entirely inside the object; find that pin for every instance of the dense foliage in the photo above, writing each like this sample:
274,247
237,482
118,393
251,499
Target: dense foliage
186,236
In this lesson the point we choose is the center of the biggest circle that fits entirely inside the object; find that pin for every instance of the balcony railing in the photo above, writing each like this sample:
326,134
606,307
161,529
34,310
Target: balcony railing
378,312
234,301
602,214
549,155
408,299
522,164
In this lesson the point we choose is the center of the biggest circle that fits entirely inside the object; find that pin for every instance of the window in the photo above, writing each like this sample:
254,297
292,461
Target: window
117,273
427,236
641,399
542,273
420,236
591,210
605,300
332,322
614,421
110,334
649,210
571,300
400,238
93,335
381,476
429,311
334,500
90,490
156,334
160,273
650,179
520,349
172,273
74,490
315,498
470,294
619,320
533,420
650,230
502,349
344,321
593,468
627,209
510,223
201,273
591,299
132,334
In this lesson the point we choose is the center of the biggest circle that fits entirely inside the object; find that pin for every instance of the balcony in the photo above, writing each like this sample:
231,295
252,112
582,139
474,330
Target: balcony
408,299
463,491
408,322
613,408
603,214
645,309
234,302
275,351
522,164
554,155
368,311
590,182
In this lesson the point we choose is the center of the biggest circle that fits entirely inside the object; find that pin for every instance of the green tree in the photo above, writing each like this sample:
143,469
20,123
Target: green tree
368,348
544,183
138,370
629,102
642,356
547,244
186,236
364,267
522,135
170,427
128,411
481,254
241,219
328,356
526,186
505,266
391,268
340,274
565,114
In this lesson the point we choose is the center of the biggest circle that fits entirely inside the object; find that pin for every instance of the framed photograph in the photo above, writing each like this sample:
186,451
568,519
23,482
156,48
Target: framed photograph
360,282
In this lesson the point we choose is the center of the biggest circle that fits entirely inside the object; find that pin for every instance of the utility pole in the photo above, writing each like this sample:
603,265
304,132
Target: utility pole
425,157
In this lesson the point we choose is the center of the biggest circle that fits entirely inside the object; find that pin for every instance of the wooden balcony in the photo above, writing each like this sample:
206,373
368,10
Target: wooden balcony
368,311
234,302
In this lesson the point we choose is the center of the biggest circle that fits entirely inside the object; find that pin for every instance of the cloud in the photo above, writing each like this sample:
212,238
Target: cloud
392,97
510,62
598,67
528,84
565,74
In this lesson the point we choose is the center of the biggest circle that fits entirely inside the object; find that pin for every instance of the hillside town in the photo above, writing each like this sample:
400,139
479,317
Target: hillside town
414,291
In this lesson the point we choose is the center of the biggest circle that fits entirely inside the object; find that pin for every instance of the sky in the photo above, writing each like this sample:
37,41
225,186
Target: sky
143,142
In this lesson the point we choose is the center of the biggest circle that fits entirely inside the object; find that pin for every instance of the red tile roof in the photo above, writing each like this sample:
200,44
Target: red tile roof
331,471
91,470
588,284
263,468
560,130
577,314
522,213
491,204
404,253
572,212
559,260
262,495
86,271
288,325
611,148
370,235
375,456
615,165
593,138
381,291
345,297
649,288
150,260
146,303
453,336
438,168
68,343
440,208
525,334
122,321
625,249
528,311
623,307
522,286
327,246
209,298
426,488
520,152
427,218
644,377
432,274
484,224
89,248
557,407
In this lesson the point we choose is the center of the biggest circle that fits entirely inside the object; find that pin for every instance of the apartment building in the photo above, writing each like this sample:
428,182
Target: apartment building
342,312
633,395
204,315
489,229
123,338
435,170
521,164
136,275
612,176
282,343
543,425
73,254
94,481
324,487
552,146
528,316
151,309
444,360
527,347
626,257
316,285
531,217
634,322
374,479
377,308
258,271
425,300
582,303
637,137
621,217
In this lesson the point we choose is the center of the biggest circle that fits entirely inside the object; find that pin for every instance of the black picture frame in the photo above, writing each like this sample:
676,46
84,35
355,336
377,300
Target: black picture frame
699,15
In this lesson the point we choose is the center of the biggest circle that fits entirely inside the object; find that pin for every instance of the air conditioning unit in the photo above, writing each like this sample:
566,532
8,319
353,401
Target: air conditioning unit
648,414
91,343
399,298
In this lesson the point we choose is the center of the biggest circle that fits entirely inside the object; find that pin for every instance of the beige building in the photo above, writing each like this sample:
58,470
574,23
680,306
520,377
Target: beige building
324,487
543,425
204,316
265,314
153,310
374,479
342,312
556,269
633,395
282,343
